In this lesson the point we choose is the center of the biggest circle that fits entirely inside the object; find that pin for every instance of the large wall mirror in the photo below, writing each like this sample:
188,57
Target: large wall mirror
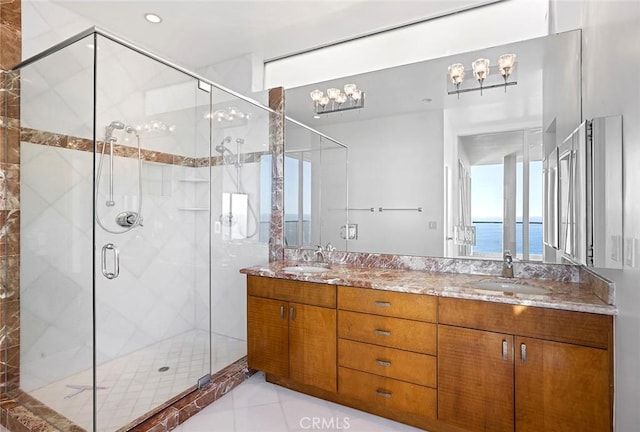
432,172
315,185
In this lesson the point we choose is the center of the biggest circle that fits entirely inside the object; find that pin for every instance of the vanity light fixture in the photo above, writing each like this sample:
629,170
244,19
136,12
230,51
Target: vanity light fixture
337,100
485,75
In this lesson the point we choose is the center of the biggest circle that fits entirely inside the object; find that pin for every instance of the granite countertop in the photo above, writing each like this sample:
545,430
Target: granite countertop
571,296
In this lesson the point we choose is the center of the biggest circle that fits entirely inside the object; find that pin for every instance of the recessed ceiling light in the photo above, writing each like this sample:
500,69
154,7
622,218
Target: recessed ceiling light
316,116
153,18
426,100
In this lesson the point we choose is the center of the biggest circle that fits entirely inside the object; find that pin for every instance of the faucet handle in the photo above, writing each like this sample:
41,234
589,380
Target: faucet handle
329,247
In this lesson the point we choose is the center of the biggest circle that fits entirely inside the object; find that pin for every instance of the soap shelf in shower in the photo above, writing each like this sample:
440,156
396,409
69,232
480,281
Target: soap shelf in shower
193,208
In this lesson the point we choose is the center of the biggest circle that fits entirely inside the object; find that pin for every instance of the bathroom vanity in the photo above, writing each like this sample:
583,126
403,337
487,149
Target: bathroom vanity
438,351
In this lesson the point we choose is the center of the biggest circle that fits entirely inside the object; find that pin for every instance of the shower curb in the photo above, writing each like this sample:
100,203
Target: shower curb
18,418
184,408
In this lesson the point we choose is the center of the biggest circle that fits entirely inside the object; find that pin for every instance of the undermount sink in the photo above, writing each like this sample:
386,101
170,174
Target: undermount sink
305,269
506,286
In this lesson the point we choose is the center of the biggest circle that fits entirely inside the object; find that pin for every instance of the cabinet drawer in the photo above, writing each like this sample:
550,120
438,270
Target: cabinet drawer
395,304
316,294
389,362
391,332
550,324
387,393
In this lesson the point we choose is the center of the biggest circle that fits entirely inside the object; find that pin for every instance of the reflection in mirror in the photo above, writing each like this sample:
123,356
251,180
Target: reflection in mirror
315,189
470,162
500,195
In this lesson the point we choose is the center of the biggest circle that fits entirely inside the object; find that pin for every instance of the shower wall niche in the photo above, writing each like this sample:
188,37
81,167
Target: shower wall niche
129,290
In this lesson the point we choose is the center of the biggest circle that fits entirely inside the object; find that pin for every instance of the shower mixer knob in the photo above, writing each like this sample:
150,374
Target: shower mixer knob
128,219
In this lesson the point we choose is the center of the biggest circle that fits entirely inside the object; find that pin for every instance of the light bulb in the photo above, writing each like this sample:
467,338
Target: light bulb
505,63
341,98
349,89
333,93
480,69
316,95
456,73
324,100
356,95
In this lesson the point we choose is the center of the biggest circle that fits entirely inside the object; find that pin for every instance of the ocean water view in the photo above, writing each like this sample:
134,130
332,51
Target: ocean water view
489,237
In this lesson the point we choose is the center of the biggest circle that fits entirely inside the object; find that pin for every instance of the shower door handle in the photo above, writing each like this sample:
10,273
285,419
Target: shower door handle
116,261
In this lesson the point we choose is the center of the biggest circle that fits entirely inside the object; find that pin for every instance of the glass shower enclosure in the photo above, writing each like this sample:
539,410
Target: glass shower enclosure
135,174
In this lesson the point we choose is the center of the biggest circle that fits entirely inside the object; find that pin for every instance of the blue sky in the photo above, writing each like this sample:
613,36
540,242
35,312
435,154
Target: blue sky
486,192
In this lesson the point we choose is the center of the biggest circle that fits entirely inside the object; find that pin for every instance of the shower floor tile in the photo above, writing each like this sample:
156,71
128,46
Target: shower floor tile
130,386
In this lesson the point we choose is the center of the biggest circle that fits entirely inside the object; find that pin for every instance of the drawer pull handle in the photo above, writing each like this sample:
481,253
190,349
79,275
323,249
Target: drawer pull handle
383,362
281,312
523,353
292,314
383,393
505,350
383,332
383,303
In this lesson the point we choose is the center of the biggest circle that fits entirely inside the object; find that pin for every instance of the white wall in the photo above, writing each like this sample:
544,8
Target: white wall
395,162
611,66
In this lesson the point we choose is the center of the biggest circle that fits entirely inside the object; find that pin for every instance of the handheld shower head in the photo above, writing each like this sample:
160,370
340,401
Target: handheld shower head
113,126
222,148
116,125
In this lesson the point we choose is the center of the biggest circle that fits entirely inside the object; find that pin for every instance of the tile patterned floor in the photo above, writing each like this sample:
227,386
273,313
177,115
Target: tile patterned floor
131,386
257,405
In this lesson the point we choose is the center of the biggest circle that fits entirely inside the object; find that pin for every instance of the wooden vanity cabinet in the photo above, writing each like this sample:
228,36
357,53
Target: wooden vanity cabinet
506,367
291,330
386,351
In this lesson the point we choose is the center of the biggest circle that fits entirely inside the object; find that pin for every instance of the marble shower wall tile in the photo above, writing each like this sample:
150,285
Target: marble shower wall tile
9,186
9,234
10,34
276,147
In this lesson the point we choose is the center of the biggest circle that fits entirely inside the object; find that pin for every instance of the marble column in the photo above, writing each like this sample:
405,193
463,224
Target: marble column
10,55
276,147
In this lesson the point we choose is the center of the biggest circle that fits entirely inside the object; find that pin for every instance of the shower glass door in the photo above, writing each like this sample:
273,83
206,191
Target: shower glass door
151,233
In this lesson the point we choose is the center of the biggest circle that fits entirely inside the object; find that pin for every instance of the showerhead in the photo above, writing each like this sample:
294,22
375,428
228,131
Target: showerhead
222,148
113,126
116,125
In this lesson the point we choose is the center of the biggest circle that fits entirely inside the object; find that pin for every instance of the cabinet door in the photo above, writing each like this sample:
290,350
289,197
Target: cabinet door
561,387
268,336
475,379
312,346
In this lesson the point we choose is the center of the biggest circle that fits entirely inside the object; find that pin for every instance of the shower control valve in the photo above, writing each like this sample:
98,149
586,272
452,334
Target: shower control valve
129,219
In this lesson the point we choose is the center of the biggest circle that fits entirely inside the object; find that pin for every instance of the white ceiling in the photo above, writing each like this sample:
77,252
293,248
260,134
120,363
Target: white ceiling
203,32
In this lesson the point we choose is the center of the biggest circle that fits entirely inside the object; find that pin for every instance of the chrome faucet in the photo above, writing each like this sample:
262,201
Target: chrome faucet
321,251
507,265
